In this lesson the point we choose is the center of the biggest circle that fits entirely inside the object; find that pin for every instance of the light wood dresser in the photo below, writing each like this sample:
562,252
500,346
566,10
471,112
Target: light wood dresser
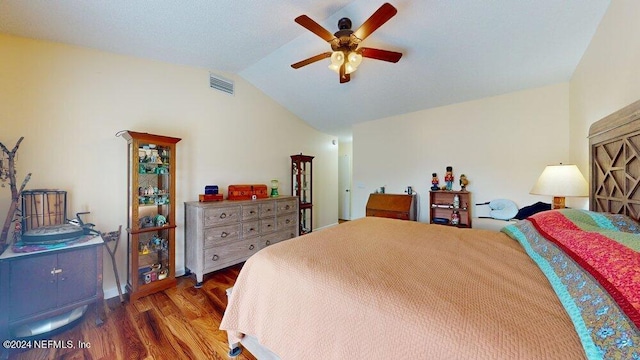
223,233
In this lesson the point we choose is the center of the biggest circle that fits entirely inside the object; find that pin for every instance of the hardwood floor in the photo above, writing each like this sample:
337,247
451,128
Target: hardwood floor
178,323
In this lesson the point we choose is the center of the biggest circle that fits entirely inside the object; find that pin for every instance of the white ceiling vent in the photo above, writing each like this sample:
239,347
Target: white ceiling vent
220,83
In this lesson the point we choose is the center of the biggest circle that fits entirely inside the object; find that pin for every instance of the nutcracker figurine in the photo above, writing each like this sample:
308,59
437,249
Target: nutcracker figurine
463,182
435,182
448,178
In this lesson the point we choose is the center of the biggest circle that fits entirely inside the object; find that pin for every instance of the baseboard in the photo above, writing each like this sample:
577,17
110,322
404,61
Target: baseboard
325,227
112,292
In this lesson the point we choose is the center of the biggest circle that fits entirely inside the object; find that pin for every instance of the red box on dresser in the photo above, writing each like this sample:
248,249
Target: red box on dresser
247,192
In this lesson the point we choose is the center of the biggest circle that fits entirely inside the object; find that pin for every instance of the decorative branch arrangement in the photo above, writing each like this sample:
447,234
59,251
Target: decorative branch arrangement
8,172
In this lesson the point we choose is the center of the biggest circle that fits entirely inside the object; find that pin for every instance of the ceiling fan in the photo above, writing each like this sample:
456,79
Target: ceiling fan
345,55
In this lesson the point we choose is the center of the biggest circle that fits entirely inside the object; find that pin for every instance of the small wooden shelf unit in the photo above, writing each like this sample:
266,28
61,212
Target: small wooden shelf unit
441,207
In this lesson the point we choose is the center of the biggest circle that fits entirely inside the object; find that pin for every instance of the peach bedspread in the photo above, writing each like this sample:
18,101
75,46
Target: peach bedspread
378,288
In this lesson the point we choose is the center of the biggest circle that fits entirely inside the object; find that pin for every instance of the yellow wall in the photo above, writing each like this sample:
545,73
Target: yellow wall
500,143
608,76
69,102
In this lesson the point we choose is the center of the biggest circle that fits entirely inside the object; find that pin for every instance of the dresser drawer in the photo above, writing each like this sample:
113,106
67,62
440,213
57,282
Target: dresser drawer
221,215
287,234
286,206
270,239
220,256
267,225
266,240
286,221
221,235
249,212
268,209
250,229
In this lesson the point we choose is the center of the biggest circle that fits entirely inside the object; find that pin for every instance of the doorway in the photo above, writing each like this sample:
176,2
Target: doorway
344,187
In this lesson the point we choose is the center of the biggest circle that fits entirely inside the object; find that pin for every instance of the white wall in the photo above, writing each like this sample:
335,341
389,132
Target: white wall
69,102
501,144
608,76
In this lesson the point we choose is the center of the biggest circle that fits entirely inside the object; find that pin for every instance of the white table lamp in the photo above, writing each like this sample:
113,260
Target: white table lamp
561,181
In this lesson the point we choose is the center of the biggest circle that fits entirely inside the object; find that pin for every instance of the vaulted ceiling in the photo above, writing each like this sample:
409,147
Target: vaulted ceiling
453,51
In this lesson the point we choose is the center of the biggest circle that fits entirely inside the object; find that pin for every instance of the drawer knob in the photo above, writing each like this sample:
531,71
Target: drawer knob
223,215
287,207
252,212
287,221
268,242
224,234
251,247
215,258
268,225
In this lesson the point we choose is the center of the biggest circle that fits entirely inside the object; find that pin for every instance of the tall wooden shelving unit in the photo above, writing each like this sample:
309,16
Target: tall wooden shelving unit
152,216
302,187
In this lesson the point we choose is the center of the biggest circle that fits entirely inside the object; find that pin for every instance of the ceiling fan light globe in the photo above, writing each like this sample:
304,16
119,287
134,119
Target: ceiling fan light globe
354,58
337,58
335,67
349,68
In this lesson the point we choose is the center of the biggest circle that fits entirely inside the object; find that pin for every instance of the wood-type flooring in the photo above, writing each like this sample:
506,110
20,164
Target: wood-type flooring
178,323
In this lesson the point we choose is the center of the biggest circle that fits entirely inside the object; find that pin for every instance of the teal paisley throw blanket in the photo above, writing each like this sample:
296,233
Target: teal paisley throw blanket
592,261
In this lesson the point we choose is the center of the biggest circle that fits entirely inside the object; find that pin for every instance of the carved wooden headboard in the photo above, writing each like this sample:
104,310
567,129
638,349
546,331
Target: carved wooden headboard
614,144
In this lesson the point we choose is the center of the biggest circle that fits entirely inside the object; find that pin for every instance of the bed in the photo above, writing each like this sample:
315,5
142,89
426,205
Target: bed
562,284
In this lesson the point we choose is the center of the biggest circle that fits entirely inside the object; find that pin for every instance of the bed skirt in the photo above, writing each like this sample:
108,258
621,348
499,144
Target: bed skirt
251,343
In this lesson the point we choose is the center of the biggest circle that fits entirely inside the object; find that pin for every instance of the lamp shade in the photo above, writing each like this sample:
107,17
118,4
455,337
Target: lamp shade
561,180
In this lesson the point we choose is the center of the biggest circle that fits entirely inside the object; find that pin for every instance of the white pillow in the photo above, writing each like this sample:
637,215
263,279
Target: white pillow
503,209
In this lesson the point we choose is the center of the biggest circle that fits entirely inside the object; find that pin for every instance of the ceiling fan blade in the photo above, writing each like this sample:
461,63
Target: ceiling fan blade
314,27
384,55
311,60
344,77
381,16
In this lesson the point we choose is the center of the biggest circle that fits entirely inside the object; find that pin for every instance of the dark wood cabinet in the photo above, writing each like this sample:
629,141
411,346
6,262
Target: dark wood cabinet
444,209
394,206
40,285
302,187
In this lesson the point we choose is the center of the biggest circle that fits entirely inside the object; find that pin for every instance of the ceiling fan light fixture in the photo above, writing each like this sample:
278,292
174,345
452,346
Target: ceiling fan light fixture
349,68
345,55
354,58
337,59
